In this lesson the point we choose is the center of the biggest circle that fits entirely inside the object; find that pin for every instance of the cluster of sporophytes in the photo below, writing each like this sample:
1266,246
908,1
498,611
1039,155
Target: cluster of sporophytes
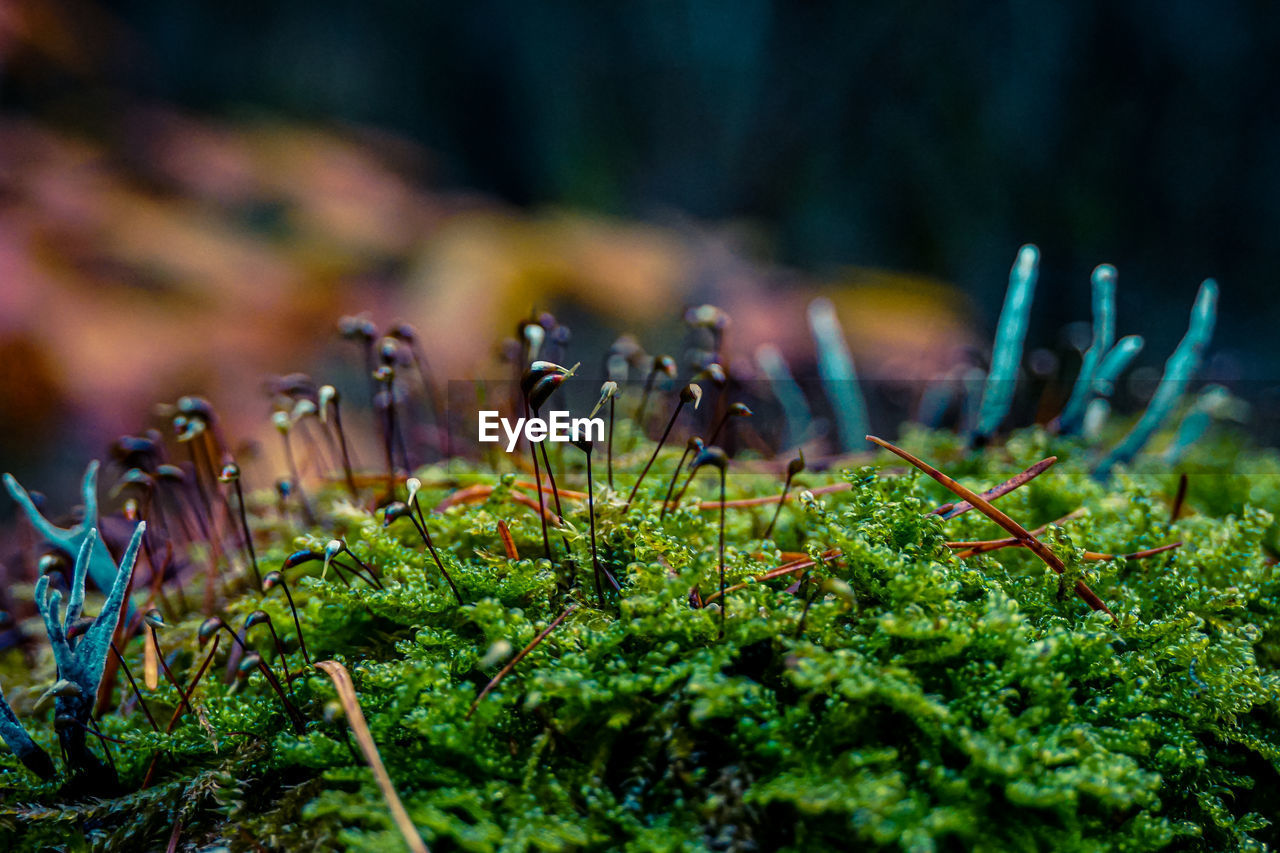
636,647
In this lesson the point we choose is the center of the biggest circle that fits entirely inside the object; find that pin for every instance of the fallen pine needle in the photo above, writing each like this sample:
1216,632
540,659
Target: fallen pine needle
951,510
1019,532
508,544
515,660
355,717
804,562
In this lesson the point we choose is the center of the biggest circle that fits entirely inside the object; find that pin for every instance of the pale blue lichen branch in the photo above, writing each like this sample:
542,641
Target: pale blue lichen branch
1210,402
839,378
794,406
101,567
1178,372
1115,363
80,660
1006,356
1104,332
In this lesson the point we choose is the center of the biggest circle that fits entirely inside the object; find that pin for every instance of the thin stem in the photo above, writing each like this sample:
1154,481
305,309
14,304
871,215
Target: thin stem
666,432
342,443
591,512
609,442
363,565
426,537
307,514
555,493
675,475
302,643
294,714
284,661
542,509
724,602
782,498
388,439
488,688
129,675
248,536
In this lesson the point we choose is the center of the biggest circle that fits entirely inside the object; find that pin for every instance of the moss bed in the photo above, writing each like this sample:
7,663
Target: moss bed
892,695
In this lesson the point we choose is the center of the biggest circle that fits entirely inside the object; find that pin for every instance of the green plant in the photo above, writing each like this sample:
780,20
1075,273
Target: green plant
790,658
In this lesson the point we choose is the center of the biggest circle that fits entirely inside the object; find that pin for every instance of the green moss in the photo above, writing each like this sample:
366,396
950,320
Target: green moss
901,698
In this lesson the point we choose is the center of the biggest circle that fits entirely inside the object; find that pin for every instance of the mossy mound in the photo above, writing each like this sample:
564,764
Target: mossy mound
893,696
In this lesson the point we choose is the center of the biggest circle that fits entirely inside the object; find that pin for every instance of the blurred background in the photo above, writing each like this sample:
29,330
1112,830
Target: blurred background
191,193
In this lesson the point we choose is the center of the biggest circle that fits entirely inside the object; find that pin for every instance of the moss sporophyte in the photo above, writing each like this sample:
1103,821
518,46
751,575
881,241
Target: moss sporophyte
1050,637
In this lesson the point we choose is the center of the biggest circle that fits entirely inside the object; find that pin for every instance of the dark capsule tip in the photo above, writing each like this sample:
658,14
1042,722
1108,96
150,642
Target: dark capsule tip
691,394
196,407
154,618
52,562
230,473
389,351
171,472
543,389
249,663
404,332
357,328
394,512
536,373
271,580
257,617
795,466
208,627
711,456
136,477
297,558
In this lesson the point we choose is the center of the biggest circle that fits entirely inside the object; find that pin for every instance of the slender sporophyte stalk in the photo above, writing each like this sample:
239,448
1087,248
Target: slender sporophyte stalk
690,393
693,447
716,457
795,466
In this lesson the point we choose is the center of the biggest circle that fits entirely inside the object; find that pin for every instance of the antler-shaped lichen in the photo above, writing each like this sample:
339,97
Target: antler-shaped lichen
101,567
997,396
80,659
1102,362
1178,372
839,377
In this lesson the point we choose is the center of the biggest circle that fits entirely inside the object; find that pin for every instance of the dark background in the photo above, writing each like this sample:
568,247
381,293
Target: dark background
928,137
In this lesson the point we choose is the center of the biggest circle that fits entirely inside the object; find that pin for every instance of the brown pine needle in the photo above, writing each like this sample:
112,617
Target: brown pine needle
951,510
355,718
1017,530
481,492
785,569
508,544
982,546
973,548
488,688
1136,555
